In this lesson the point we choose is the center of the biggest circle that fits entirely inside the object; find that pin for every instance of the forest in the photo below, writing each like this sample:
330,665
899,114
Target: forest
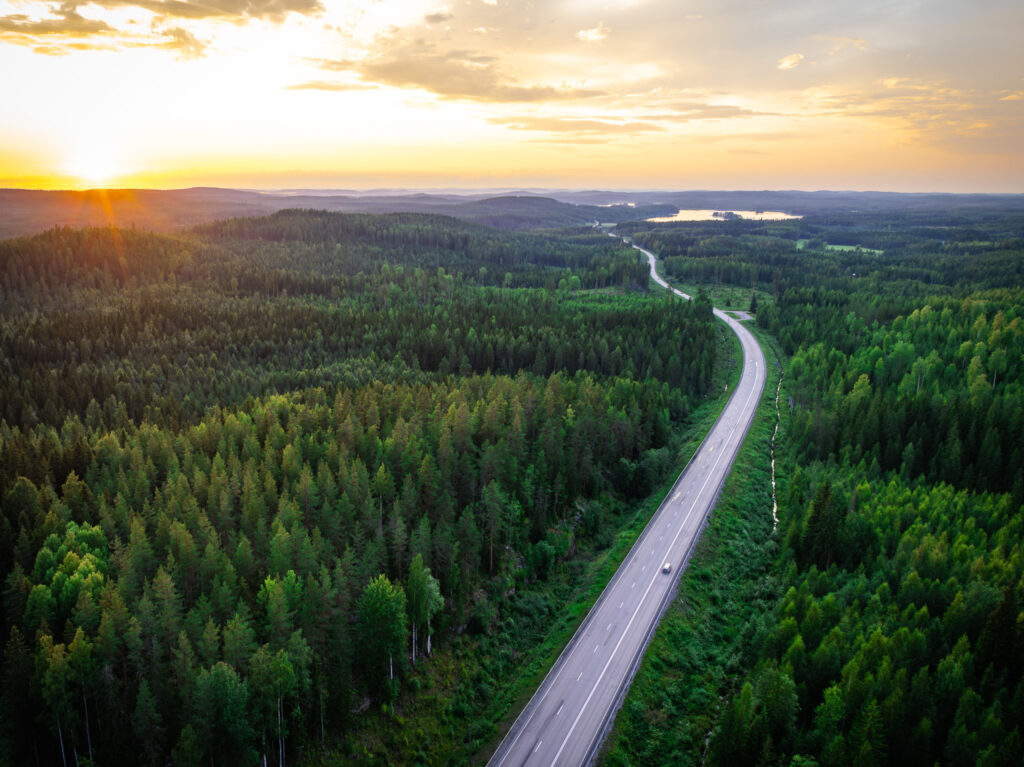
255,475
883,621
311,486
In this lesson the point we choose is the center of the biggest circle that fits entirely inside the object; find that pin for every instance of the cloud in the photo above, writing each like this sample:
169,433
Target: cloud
454,74
930,110
65,30
182,42
63,48
1013,96
68,31
840,44
327,85
696,111
439,16
790,62
66,23
904,83
575,125
332,65
594,35
239,10
490,2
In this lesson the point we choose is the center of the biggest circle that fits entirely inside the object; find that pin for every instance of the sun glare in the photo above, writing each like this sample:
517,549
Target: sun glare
93,165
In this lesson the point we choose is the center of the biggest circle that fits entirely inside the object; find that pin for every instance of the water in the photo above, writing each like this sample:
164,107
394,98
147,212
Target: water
709,215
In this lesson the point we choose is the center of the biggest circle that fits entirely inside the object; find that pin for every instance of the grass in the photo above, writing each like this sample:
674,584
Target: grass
727,297
802,244
695,654
845,248
456,707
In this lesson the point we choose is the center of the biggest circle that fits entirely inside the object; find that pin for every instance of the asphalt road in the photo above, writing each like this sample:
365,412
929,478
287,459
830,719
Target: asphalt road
567,718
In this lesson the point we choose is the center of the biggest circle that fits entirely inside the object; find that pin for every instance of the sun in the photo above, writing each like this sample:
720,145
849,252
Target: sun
94,164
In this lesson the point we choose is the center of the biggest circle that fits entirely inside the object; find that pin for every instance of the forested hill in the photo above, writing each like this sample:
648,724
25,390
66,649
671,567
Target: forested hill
429,241
25,211
246,471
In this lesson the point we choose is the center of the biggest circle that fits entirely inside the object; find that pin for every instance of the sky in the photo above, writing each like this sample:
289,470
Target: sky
902,95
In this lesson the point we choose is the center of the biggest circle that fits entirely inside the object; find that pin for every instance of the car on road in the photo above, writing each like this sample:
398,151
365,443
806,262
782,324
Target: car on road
667,567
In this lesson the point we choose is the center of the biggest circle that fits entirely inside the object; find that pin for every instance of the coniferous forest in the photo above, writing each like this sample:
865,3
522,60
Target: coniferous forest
312,487
253,474
883,621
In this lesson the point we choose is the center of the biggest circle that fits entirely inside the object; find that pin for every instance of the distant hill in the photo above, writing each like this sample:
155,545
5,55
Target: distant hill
30,211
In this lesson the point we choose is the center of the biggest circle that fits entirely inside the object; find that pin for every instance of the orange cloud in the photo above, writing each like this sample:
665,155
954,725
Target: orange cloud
790,62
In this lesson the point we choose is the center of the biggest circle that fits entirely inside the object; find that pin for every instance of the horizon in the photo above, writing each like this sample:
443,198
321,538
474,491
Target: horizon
504,191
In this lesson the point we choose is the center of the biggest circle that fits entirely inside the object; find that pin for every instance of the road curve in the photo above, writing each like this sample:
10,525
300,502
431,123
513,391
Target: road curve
567,718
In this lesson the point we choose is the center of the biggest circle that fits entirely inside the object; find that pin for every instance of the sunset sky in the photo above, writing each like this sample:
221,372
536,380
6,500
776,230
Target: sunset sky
906,95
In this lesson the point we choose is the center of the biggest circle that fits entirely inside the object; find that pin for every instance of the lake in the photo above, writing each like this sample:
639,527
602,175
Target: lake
722,215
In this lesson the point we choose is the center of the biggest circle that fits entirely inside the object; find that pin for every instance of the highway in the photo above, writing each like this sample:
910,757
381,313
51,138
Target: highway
571,712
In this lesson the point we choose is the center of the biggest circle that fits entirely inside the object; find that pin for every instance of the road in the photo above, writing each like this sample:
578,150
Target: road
567,718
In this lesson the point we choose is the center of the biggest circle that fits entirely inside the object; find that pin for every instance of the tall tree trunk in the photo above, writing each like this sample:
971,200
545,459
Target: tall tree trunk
414,644
88,735
60,736
280,740
323,743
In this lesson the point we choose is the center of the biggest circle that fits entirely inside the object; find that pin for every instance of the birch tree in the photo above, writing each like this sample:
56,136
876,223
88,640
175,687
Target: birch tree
424,594
381,629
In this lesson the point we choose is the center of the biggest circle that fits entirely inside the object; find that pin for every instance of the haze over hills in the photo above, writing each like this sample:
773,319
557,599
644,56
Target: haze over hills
29,211
25,211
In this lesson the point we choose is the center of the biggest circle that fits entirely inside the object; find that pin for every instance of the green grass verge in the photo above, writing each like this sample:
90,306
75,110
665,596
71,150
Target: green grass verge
695,654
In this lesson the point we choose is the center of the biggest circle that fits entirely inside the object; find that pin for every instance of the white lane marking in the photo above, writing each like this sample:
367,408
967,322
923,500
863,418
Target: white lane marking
537,746
559,709
634,585
595,647
530,718
632,618
621,604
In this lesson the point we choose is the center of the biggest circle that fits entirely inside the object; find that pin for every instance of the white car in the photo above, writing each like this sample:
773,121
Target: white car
667,567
